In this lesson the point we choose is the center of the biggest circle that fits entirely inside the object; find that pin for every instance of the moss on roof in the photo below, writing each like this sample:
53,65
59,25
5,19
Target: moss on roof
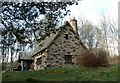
45,43
25,56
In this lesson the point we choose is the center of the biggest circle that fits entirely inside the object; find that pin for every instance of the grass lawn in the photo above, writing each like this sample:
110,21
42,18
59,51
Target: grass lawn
65,74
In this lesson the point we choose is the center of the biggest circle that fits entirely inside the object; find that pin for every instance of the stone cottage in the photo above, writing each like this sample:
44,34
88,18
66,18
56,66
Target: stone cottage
62,48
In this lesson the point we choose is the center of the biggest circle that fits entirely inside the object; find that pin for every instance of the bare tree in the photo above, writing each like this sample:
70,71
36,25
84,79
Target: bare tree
110,33
90,34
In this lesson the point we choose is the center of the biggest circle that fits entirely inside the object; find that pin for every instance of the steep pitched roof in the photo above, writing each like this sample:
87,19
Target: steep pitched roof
48,40
45,43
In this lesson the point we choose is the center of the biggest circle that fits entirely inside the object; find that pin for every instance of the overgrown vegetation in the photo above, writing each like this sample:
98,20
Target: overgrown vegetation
97,58
114,59
81,73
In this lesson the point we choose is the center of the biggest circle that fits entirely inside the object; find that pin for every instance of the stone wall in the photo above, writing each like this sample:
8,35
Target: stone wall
43,57
64,45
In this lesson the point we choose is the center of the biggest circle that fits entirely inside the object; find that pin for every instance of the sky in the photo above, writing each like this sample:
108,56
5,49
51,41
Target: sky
94,9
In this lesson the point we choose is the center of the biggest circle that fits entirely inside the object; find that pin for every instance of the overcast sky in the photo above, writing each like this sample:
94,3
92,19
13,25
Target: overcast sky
94,9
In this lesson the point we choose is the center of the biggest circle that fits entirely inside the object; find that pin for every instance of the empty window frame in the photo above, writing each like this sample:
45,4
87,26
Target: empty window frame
66,36
68,59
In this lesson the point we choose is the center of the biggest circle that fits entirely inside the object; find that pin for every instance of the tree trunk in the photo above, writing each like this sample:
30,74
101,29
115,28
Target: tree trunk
11,61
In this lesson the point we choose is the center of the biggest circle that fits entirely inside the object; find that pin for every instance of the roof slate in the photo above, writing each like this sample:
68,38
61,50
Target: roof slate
45,43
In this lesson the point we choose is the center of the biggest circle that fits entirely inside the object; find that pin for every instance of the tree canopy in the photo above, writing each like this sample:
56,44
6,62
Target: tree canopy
25,21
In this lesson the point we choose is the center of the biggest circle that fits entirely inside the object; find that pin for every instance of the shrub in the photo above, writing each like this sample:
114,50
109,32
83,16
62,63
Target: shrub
96,58
114,59
87,59
102,58
4,66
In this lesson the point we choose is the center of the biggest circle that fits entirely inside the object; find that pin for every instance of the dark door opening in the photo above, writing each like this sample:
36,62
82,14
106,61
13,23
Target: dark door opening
39,61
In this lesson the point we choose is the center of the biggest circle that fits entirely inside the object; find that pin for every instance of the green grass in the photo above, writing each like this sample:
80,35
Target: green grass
66,74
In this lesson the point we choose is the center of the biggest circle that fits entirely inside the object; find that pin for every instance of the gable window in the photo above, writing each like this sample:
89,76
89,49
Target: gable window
68,59
66,36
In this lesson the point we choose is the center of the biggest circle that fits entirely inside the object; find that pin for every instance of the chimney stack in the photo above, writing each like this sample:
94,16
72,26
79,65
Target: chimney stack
73,23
